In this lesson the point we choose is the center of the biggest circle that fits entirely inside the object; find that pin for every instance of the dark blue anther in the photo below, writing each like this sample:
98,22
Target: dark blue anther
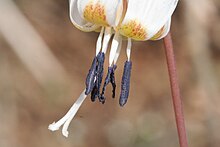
94,77
112,77
109,78
99,72
90,79
125,83
107,81
94,94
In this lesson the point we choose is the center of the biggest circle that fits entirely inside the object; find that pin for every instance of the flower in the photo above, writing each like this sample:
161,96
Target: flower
130,19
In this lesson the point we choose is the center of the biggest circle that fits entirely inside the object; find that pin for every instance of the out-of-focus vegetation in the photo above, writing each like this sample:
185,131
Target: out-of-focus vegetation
44,61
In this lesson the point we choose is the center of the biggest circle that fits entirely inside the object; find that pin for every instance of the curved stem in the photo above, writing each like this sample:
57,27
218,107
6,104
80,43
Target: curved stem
177,103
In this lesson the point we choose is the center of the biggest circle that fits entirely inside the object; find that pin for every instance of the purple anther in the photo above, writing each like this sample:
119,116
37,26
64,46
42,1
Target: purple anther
90,79
99,71
94,94
109,78
107,81
112,80
125,83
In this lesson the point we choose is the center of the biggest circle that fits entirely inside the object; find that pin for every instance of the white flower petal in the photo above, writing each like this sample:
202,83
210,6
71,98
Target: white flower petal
101,12
144,18
78,21
163,31
66,119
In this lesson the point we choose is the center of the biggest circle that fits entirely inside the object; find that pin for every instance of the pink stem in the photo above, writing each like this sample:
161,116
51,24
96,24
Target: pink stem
177,103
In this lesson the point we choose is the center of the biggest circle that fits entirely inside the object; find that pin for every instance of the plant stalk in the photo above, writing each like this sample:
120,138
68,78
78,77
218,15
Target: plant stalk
177,103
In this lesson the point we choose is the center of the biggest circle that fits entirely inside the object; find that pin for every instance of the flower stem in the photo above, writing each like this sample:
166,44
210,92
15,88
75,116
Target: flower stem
177,103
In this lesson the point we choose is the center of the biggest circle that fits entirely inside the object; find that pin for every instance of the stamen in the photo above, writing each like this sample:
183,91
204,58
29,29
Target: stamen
129,49
97,68
66,119
114,53
90,79
99,71
125,84
118,50
106,39
99,41
112,77
114,48
94,93
107,81
109,78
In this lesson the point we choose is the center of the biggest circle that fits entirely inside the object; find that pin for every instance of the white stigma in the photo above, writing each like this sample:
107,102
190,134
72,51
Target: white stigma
66,119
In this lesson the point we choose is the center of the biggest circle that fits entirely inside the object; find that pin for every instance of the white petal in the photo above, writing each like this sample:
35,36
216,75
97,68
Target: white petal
78,21
101,12
69,116
144,18
163,31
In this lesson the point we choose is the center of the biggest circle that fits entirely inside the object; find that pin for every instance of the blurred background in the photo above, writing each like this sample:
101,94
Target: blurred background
44,60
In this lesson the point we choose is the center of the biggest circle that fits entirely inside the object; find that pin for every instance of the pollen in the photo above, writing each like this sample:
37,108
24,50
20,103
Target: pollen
95,14
133,29
158,34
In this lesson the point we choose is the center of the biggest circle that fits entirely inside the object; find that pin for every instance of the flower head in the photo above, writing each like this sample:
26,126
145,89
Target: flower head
131,19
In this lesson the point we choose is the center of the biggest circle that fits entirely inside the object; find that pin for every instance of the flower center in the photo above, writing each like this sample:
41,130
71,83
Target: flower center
95,14
133,29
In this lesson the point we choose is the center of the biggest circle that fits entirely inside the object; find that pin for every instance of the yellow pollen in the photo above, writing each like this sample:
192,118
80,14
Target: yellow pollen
95,14
159,34
133,29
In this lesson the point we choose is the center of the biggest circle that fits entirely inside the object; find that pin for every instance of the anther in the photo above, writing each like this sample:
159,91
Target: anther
94,94
125,84
100,71
90,79
112,80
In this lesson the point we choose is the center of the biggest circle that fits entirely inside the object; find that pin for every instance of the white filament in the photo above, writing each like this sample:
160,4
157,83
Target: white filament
118,50
99,41
128,50
106,39
114,48
66,119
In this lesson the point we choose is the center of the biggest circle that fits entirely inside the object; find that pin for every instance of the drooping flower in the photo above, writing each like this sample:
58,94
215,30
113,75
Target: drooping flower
138,20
